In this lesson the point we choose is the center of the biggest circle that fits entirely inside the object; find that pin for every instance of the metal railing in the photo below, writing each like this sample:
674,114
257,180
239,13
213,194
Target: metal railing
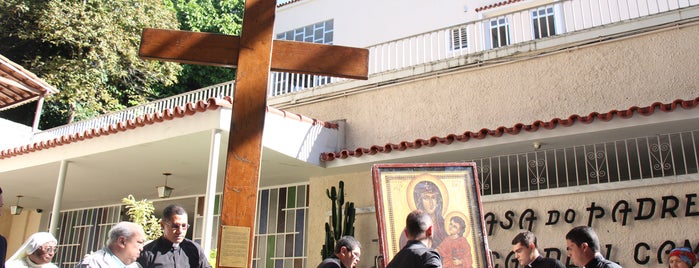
215,91
489,33
615,161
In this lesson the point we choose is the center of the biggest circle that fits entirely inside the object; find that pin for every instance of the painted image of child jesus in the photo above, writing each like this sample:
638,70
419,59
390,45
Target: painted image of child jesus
455,249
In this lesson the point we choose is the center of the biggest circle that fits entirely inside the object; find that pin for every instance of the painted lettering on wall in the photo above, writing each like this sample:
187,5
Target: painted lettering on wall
622,212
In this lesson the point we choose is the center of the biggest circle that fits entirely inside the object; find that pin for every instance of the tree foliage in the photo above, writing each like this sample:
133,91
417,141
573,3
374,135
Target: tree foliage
213,16
88,49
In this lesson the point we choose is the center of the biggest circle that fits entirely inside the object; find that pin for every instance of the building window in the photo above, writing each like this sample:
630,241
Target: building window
280,229
459,38
320,33
499,32
543,22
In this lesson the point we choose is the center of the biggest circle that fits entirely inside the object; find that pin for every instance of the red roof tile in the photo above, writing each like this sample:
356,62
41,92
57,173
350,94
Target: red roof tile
514,130
149,119
288,3
498,4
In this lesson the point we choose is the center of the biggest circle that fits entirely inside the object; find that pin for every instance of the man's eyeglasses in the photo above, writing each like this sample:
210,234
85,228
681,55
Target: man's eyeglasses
176,226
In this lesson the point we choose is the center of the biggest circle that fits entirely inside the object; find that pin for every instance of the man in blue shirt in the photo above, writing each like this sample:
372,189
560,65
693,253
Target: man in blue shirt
124,246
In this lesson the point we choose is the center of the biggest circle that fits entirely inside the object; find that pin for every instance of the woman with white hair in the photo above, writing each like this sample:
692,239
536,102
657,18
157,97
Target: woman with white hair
37,251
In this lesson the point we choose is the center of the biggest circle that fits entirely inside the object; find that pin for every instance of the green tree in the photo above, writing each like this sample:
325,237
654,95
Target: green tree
88,49
213,16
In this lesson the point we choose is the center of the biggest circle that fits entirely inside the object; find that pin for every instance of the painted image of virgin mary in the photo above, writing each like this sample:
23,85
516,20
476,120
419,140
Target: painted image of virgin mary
428,198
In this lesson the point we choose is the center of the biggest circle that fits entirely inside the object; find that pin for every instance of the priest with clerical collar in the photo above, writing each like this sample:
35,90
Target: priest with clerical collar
173,249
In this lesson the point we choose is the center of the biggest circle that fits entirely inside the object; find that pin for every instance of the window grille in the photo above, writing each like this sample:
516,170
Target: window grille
615,161
280,230
81,232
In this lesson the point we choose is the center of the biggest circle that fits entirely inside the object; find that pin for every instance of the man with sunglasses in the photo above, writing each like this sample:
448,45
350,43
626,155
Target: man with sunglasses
173,249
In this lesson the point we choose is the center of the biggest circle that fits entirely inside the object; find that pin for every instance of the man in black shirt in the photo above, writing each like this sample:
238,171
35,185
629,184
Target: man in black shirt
582,244
347,254
526,253
173,249
418,252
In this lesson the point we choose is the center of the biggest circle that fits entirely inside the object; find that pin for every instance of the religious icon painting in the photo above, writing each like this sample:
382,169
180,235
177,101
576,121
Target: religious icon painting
449,193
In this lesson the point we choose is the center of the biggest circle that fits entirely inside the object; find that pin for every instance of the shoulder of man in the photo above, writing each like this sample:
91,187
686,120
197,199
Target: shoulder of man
153,244
189,242
330,263
88,262
191,246
431,258
610,264
551,262
604,263
147,255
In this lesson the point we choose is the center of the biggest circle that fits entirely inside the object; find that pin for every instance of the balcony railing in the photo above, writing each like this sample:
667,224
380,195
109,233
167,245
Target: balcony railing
215,91
633,159
492,32
486,34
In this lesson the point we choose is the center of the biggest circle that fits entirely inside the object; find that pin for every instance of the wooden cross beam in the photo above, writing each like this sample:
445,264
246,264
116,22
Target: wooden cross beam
287,56
254,57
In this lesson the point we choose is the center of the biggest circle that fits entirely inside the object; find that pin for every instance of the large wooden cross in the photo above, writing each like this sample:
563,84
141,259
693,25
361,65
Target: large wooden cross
254,56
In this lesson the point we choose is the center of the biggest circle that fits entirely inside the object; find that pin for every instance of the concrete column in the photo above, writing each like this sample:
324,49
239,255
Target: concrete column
210,197
37,114
58,197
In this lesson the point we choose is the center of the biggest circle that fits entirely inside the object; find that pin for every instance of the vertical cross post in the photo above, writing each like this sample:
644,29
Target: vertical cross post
247,124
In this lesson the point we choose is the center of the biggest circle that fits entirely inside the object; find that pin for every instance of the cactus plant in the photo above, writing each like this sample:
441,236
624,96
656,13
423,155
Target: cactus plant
338,226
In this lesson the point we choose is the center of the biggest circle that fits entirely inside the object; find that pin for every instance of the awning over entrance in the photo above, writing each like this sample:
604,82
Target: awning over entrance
19,86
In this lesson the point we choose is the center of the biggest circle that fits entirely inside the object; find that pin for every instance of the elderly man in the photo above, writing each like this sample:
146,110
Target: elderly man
124,246
173,249
418,252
